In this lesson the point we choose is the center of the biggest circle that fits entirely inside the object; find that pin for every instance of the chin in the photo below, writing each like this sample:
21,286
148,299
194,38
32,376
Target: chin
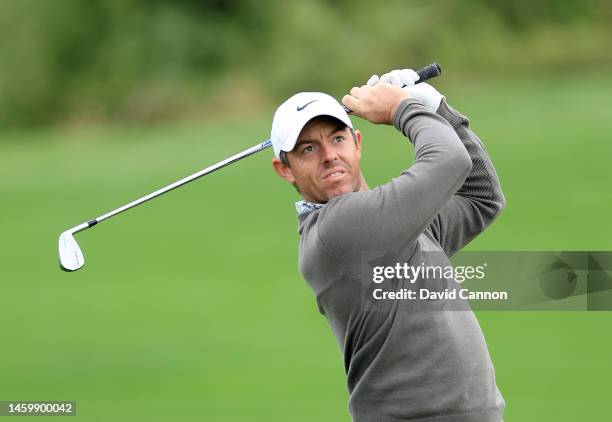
339,192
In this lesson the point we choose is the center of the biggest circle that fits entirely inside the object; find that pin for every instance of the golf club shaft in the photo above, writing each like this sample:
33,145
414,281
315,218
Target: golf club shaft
428,72
237,157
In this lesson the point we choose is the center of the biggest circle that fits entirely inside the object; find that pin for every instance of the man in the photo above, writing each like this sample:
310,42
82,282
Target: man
405,360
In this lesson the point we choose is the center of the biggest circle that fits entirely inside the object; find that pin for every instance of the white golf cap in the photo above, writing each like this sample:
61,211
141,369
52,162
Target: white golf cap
292,115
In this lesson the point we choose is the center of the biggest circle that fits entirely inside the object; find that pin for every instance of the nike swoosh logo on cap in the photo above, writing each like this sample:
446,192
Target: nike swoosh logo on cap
305,105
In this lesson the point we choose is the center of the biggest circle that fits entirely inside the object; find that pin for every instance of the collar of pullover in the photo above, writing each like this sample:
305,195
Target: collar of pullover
304,208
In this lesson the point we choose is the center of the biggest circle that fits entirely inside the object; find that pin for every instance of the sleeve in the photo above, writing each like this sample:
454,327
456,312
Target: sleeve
391,216
479,200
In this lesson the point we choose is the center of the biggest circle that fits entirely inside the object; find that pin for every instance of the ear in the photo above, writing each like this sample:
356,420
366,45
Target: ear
283,170
358,142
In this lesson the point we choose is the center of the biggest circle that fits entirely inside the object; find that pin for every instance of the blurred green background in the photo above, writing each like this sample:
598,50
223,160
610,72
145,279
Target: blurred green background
191,307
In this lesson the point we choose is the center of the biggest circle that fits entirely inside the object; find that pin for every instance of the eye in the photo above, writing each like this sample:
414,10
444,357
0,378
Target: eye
339,138
307,149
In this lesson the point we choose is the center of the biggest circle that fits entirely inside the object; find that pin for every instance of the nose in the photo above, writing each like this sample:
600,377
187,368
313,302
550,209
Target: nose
328,154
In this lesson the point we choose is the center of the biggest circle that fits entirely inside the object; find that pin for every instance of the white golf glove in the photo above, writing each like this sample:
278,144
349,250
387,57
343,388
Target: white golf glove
406,78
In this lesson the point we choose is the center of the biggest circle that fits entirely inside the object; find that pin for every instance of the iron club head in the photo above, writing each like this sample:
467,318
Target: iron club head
70,255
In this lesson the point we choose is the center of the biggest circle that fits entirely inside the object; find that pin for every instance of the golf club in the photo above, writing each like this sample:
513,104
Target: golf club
70,254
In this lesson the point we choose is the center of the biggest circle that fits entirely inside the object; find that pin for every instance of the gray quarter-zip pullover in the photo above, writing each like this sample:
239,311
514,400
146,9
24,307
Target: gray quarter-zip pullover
425,360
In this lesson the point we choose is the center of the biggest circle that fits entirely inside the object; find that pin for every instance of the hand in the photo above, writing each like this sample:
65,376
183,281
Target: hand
406,78
401,78
375,103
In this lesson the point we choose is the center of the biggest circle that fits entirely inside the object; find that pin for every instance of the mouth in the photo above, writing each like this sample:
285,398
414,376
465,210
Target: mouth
334,174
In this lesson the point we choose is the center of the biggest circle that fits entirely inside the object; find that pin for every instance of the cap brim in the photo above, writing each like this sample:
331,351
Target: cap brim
292,139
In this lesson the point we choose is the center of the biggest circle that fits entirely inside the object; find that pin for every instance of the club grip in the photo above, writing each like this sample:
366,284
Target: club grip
430,71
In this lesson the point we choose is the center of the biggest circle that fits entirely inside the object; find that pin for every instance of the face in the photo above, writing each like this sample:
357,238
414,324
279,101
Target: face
324,162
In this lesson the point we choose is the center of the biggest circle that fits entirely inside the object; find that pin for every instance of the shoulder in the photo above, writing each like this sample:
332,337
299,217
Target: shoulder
357,223
350,214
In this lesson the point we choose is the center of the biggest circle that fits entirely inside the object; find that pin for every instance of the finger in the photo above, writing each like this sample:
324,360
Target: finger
412,75
408,77
396,78
351,102
373,80
390,78
356,92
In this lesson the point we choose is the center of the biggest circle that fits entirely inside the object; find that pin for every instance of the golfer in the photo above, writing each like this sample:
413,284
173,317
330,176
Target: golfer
405,360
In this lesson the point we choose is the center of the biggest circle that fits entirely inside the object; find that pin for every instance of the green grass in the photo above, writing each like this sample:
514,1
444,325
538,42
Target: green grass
191,307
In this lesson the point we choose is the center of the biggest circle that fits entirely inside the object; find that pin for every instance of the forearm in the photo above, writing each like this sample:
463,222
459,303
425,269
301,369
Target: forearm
482,186
478,201
437,147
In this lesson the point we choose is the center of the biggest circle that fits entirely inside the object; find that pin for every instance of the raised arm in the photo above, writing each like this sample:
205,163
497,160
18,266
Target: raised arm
392,216
480,198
